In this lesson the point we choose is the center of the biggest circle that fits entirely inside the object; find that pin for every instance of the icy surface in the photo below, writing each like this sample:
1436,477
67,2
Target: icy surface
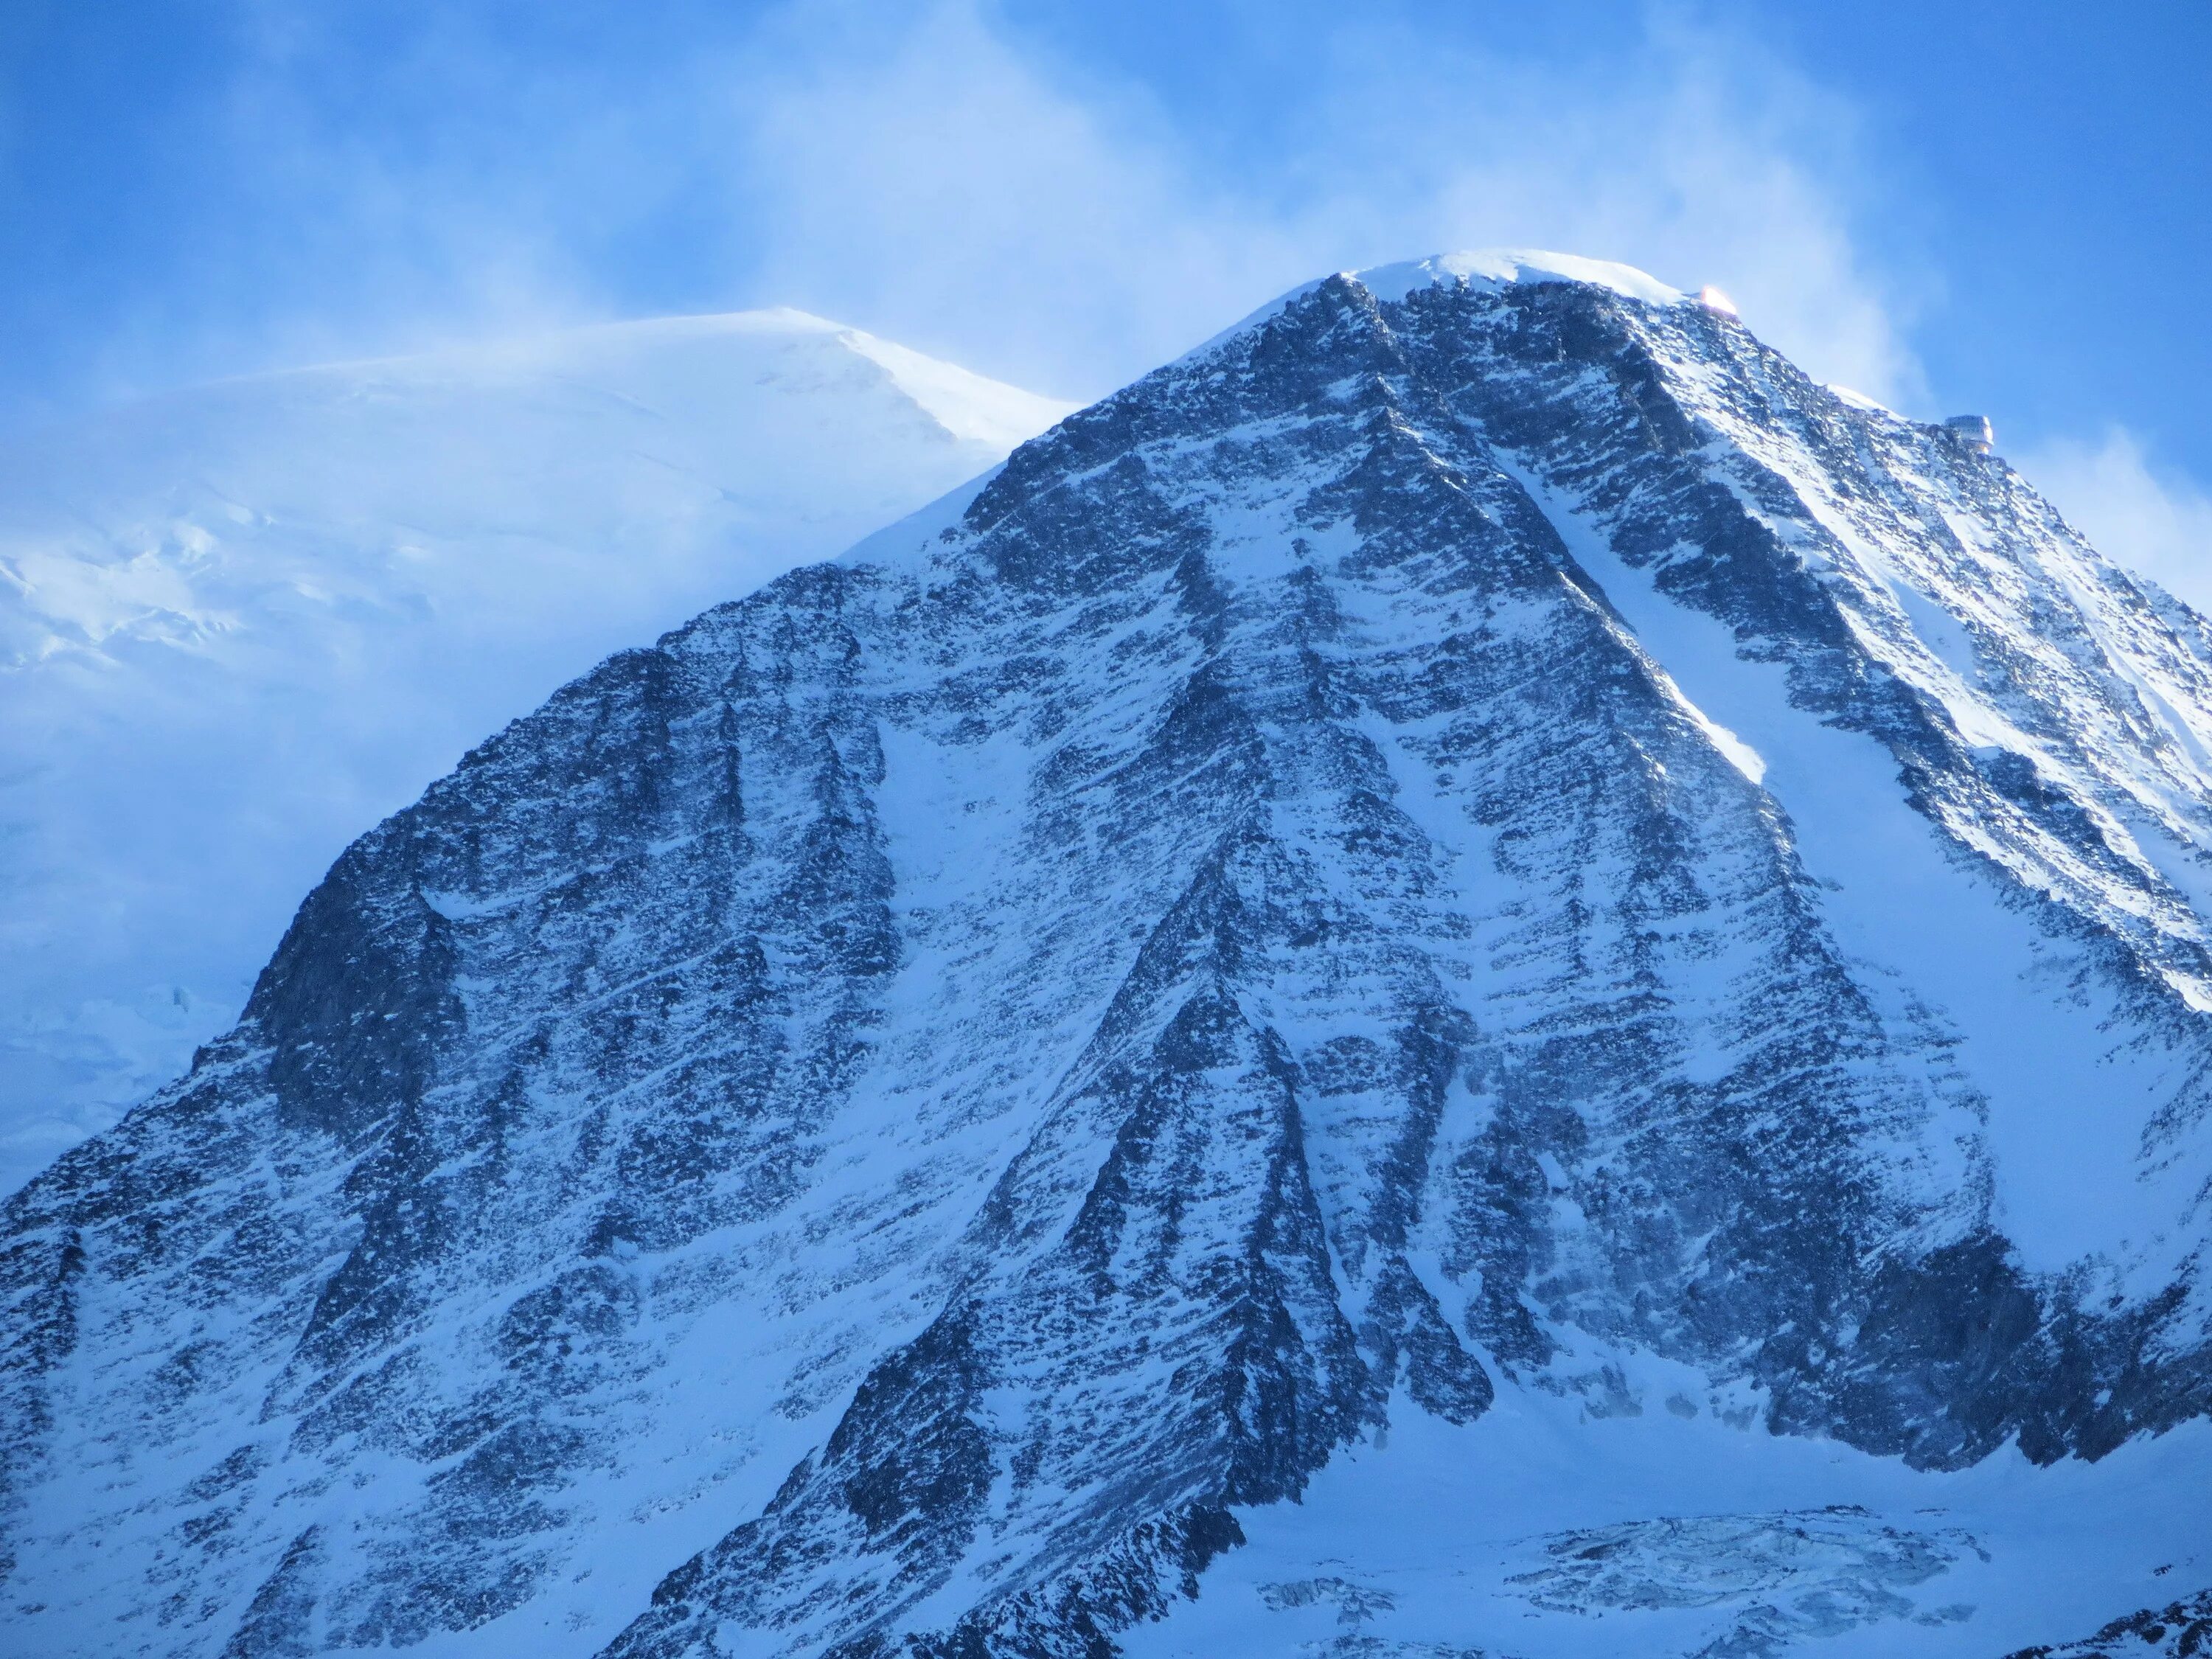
240,624
1476,974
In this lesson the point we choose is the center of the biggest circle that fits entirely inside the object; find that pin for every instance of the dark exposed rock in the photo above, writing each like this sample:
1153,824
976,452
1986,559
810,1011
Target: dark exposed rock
2181,1630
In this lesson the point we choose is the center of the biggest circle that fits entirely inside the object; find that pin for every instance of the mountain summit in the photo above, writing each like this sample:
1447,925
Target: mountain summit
1471,963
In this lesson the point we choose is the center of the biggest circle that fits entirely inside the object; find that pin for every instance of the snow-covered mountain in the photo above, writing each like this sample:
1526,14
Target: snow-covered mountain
241,625
1473,974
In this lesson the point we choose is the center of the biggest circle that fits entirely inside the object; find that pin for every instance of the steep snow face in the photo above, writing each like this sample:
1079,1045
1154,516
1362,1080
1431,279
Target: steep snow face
240,624
1467,863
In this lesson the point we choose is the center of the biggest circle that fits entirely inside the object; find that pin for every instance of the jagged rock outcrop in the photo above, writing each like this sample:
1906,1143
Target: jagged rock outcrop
884,1120
2178,1630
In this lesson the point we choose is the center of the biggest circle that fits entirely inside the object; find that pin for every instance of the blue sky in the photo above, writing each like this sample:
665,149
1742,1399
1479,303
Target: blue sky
1967,206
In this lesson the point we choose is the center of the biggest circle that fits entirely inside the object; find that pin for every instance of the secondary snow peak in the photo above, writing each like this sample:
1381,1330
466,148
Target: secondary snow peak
242,622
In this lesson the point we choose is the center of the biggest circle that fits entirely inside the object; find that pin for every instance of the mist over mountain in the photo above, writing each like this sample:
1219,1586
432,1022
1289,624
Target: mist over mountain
1475,973
241,623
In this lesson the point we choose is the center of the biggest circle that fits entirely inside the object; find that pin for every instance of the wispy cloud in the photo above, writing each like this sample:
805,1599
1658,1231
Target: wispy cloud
371,181
2150,519
936,180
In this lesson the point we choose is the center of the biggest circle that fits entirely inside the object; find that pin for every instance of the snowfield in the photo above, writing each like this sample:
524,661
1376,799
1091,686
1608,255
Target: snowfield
1661,1530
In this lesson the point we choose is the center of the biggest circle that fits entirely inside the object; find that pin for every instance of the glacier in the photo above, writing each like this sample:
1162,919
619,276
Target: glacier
1474,973
241,623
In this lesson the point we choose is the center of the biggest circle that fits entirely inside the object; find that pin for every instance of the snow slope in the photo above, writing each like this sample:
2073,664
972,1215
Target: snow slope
241,623
1545,1531
1473,973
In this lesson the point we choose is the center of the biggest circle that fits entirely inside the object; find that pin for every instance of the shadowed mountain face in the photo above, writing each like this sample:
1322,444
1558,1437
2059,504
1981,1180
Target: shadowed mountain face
1473,828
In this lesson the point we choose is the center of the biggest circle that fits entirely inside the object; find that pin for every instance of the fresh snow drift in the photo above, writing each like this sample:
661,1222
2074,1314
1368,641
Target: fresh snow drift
1474,974
240,624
